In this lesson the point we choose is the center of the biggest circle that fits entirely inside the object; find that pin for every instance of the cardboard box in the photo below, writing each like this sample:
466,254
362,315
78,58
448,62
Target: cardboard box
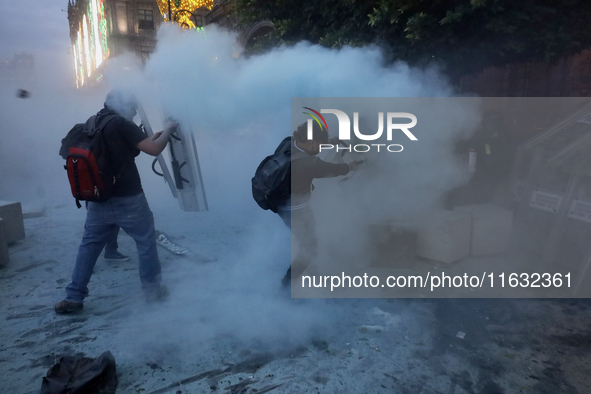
12,214
444,236
491,228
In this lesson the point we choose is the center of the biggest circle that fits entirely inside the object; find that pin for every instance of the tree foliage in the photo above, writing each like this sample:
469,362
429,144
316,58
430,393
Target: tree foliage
461,35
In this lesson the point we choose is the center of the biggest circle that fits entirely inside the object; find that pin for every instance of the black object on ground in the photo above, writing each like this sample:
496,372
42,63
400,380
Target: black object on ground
82,375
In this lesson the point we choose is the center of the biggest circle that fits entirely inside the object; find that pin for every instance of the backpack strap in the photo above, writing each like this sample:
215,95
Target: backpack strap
100,128
91,128
104,122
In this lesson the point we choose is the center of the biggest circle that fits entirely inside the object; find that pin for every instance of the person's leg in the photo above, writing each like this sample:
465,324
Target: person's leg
112,245
134,216
111,248
285,215
97,229
303,231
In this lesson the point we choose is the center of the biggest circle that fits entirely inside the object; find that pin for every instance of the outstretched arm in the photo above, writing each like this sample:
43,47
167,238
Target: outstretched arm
322,169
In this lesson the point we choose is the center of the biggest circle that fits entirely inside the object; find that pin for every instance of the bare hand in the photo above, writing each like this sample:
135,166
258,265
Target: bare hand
171,125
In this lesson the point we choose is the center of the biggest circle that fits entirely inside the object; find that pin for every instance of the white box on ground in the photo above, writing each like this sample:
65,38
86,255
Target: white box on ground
12,214
491,228
4,256
444,236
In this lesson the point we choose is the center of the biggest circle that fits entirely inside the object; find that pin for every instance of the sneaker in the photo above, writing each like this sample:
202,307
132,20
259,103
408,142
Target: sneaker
115,257
65,307
160,294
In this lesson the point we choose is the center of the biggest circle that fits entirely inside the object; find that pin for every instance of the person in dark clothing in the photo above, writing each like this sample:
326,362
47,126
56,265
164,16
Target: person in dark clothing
295,211
127,208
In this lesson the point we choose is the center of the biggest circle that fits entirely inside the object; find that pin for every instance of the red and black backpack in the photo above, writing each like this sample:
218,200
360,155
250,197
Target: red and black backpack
88,161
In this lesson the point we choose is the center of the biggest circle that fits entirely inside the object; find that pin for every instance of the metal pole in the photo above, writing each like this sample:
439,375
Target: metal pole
169,12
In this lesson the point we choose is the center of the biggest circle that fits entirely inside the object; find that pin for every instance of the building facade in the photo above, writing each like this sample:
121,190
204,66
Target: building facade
134,26
100,29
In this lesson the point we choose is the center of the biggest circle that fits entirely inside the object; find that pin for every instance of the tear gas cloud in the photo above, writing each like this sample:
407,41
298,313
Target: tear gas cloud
31,128
239,110
244,105
31,133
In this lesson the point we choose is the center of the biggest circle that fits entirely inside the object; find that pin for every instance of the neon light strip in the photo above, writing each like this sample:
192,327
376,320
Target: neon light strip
90,18
80,55
86,45
103,29
75,55
98,56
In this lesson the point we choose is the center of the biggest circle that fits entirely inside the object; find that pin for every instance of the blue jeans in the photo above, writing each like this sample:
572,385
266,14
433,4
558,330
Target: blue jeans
112,246
133,215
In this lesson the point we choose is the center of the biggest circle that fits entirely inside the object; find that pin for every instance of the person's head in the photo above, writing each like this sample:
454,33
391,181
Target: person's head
122,102
319,136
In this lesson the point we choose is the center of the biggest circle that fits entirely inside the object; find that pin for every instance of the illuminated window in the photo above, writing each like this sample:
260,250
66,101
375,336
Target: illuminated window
121,17
146,19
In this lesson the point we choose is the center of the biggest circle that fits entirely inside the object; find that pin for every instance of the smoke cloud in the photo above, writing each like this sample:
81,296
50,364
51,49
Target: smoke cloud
239,109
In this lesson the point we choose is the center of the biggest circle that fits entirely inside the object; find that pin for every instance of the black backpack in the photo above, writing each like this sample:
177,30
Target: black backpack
271,184
82,375
88,161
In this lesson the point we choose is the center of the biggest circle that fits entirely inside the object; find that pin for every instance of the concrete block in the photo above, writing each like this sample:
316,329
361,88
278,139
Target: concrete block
12,214
392,245
491,228
32,210
444,236
4,256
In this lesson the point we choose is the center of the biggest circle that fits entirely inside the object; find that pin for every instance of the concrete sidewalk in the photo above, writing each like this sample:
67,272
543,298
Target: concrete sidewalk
220,331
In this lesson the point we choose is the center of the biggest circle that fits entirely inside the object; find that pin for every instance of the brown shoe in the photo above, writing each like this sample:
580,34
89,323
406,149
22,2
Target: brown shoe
65,307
